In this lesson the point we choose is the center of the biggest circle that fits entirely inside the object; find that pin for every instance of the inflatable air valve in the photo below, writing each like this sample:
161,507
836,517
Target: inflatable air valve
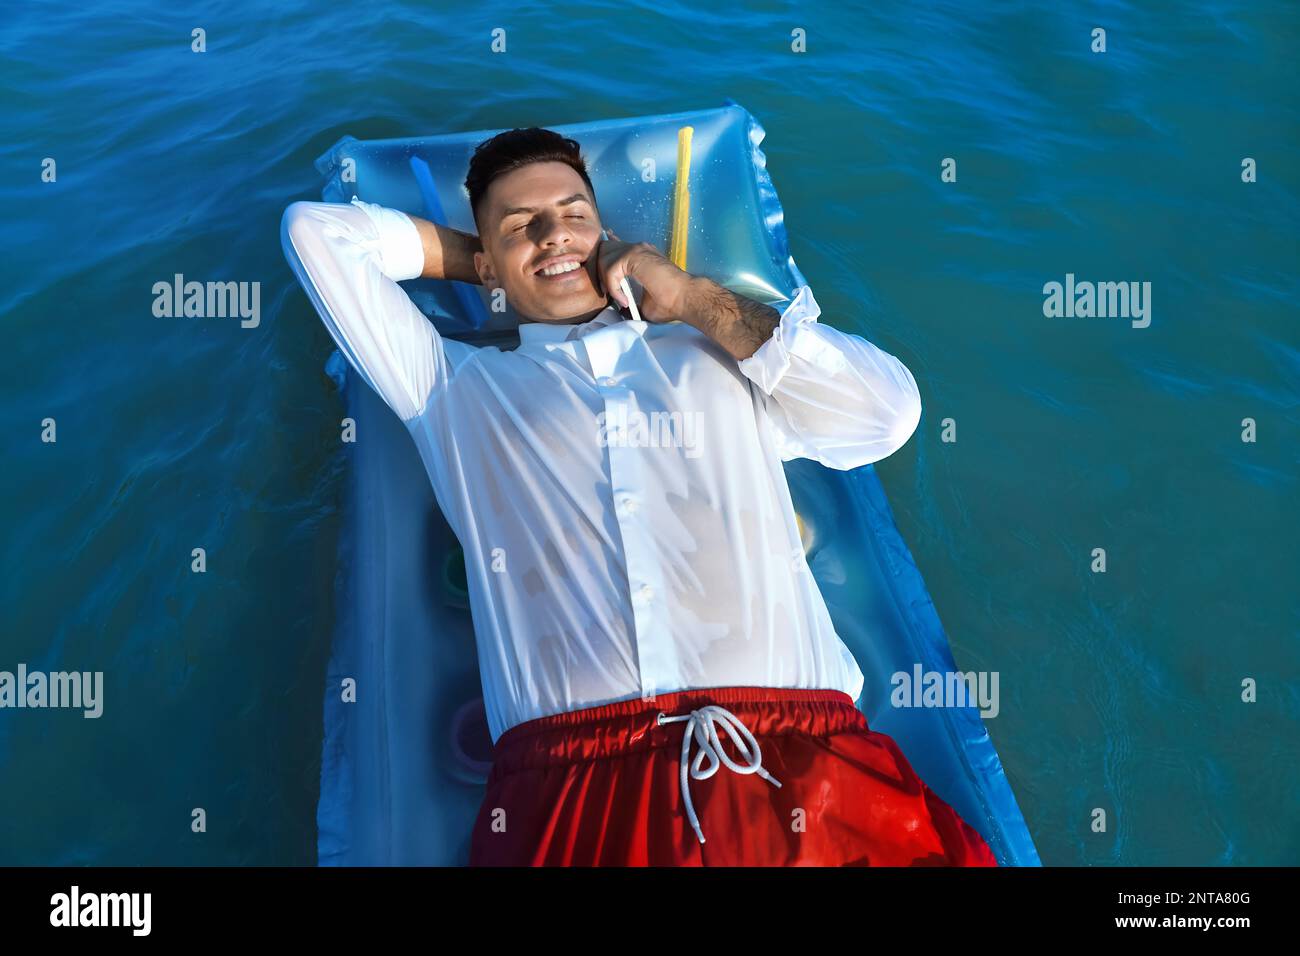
455,589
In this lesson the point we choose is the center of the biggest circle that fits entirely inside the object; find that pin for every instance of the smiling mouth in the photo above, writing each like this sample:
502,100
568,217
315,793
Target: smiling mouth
565,268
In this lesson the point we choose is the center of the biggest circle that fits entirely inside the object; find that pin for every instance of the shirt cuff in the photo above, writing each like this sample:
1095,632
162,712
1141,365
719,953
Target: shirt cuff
797,334
400,248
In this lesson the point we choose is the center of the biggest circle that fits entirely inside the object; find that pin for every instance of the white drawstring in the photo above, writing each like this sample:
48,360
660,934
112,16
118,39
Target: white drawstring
700,725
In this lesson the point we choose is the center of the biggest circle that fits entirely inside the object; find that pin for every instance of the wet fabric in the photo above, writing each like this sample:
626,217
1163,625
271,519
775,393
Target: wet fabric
617,485
602,787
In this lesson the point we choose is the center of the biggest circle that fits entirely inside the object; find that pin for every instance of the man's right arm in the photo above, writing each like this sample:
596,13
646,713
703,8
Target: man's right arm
448,253
349,258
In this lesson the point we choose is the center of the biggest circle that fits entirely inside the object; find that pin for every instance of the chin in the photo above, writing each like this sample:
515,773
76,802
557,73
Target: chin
565,308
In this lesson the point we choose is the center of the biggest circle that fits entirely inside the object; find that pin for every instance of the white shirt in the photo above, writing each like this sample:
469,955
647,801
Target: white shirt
616,485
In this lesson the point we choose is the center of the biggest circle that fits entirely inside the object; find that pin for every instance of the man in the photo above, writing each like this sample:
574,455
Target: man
635,571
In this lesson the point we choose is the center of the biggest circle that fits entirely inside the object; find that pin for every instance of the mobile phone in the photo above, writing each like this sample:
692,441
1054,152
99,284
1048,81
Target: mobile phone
627,289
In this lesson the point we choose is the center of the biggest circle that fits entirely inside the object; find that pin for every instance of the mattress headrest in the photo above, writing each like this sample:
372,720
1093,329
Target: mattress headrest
736,231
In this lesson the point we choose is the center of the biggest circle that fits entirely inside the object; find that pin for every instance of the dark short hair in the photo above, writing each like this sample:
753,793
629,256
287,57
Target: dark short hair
514,148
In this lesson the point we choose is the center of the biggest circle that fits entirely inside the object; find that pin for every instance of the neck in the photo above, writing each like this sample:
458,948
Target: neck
575,320
592,314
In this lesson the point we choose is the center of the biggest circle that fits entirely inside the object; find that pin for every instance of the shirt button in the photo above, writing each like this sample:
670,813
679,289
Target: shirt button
645,592
608,382
629,505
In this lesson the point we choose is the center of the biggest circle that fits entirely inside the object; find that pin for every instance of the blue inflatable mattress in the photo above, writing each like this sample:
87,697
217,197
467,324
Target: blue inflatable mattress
404,764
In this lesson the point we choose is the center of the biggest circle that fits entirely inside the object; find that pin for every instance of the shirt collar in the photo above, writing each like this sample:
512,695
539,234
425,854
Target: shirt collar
536,333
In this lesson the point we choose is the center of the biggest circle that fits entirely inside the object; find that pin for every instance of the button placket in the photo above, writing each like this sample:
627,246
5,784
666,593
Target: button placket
656,656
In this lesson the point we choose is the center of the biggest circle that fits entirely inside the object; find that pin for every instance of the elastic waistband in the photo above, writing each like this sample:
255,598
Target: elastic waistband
627,726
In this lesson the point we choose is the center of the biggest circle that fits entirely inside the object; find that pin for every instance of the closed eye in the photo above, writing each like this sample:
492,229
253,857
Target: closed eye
524,225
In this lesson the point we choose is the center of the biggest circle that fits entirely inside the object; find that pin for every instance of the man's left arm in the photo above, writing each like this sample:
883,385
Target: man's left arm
833,397
740,325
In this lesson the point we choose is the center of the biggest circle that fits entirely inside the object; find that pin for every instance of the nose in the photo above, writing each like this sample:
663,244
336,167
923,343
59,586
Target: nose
554,232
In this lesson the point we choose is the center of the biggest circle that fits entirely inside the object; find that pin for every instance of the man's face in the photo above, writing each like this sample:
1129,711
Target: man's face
533,220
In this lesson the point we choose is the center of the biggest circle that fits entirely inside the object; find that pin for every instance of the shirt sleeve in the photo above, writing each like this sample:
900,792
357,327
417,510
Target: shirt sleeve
831,396
349,258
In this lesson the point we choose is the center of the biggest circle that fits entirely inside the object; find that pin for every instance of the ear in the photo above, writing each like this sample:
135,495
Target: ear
483,266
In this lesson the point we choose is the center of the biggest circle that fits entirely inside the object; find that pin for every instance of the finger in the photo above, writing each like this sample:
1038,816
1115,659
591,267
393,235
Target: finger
614,286
612,279
600,264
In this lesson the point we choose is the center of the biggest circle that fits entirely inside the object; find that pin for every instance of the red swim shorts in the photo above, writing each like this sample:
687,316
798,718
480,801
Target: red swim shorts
604,787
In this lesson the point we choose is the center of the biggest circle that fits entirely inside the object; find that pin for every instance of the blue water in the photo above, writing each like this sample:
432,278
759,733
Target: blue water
1120,691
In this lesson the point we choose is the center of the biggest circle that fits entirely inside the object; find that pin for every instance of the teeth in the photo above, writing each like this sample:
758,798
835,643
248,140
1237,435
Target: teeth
561,269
